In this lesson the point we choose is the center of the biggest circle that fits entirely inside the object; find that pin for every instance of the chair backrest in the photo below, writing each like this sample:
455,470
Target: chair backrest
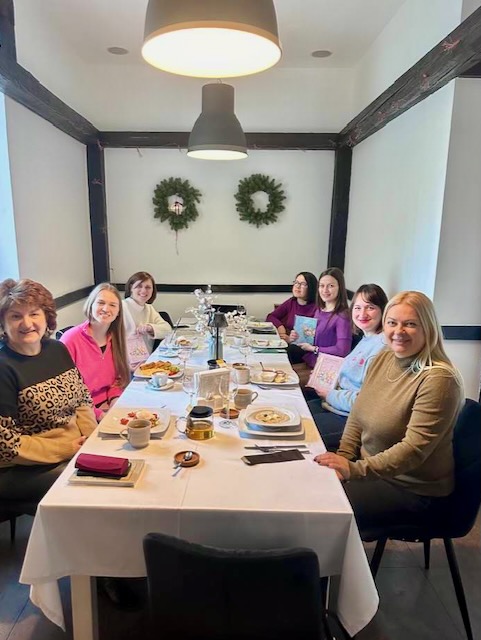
227,308
166,316
204,592
466,499
60,332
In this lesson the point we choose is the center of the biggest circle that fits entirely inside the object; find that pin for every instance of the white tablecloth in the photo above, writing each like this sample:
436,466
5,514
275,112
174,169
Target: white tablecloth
92,530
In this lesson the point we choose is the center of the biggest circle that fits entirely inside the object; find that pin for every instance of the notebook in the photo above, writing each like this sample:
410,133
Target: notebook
305,328
325,374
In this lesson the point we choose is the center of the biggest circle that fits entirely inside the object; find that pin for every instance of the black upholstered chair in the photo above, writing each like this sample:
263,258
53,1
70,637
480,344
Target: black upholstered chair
457,514
198,592
60,332
11,510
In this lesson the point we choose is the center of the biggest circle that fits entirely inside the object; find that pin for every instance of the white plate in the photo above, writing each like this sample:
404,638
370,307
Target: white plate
245,431
260,325
275,343
293,417
111,424
138,373
256,378
165,387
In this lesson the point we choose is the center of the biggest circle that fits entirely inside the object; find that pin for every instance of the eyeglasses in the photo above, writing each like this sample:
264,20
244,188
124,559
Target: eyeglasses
296,283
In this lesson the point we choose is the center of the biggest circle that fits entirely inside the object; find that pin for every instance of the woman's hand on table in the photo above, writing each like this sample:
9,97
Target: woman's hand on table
333,461
144,329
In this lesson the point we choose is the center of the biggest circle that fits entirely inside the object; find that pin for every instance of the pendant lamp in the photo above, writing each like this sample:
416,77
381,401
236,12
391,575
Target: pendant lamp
217,133
211,38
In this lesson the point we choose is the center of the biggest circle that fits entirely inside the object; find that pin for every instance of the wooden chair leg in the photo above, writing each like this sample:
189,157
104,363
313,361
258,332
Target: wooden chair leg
458,586
427,553
377,555
13,526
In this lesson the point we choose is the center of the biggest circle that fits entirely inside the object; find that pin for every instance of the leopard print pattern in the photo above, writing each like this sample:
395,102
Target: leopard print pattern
42,407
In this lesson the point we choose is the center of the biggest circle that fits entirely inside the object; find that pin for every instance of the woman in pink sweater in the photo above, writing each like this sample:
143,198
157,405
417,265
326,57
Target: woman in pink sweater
97,347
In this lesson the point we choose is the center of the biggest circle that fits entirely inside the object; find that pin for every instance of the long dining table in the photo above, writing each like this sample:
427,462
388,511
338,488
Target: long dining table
85,531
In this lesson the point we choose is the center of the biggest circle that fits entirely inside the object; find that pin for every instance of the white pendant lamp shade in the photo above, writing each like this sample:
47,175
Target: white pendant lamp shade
217,133
211,38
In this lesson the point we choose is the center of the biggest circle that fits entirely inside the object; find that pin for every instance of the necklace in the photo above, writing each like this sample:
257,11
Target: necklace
405,371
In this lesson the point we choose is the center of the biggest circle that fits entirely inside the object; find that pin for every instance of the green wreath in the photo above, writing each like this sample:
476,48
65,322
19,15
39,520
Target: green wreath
245,207
190,195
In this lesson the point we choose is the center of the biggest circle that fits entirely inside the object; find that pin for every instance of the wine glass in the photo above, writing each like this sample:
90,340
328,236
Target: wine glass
228,388
245,349
184,354
190,384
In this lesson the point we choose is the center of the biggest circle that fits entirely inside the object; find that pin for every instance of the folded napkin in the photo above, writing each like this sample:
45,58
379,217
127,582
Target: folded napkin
102,464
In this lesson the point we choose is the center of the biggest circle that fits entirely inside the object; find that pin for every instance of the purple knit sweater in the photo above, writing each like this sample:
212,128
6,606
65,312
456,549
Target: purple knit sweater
285,313
333,335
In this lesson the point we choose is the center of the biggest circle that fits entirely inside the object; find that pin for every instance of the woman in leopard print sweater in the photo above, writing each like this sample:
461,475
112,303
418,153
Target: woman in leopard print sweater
45,408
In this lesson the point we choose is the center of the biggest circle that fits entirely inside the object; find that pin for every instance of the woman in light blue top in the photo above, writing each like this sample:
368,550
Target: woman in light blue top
366,311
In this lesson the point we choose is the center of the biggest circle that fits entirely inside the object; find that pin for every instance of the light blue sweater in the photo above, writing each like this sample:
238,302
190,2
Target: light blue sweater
353,372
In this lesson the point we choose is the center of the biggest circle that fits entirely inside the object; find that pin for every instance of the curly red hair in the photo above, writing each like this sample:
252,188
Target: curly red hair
28,292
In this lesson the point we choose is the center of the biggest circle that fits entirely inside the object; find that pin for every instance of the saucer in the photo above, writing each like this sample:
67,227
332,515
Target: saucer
169,384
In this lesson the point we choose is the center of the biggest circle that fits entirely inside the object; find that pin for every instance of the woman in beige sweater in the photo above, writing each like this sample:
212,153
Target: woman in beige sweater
396,450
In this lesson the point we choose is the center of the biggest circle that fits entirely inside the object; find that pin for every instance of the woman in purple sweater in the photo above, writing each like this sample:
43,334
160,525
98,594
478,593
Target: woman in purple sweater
333,331
301,303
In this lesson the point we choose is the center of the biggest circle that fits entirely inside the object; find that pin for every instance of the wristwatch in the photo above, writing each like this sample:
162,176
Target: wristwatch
316,351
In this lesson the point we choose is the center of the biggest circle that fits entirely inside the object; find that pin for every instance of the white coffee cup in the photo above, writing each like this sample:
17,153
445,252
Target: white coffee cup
244,397
239,341
159,379
242,372
137,433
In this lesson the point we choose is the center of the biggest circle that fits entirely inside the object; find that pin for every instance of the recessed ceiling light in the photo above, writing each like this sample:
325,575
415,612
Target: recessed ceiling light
322,53
118,51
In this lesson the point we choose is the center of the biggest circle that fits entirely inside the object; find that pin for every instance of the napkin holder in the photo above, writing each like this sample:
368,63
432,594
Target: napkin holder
209,385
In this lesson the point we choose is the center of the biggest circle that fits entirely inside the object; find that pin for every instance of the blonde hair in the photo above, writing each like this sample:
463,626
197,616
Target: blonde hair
433,354
116,332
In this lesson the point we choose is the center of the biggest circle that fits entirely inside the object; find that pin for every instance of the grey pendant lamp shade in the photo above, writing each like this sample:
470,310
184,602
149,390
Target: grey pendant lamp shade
211,38
217,133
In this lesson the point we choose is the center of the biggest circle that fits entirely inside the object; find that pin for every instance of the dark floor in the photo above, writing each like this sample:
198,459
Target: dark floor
415,605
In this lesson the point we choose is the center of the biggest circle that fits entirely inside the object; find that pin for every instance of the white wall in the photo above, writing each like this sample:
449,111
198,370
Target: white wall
50,198
413,31
459,262
396,199
219,248
8,245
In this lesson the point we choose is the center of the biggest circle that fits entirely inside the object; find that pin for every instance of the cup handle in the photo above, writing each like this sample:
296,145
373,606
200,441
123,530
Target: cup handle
254,396
124,434
177,424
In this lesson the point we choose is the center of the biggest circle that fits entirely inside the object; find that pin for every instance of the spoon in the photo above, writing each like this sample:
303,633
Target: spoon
178,466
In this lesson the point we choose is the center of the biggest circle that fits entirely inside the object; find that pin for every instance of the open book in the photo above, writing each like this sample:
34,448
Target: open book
325,374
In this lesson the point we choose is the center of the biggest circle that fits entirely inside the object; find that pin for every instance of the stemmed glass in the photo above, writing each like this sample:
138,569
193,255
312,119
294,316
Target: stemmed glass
184,354
190,384
228,389
245,349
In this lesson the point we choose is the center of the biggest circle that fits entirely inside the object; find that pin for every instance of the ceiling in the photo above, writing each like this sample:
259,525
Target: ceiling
345,27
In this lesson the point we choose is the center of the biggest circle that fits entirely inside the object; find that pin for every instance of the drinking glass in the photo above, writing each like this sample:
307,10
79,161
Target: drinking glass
245,349
184,354
228,389
190,383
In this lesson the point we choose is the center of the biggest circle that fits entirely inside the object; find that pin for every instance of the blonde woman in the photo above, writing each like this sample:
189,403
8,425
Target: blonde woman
97,347
396,449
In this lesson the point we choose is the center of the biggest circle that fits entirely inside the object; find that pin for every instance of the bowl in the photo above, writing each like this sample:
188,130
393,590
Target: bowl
267,375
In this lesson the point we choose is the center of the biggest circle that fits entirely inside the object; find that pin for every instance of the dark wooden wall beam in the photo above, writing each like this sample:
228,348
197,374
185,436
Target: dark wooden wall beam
450,58
7,30
179,140
473,72
340,208
98,213
24,88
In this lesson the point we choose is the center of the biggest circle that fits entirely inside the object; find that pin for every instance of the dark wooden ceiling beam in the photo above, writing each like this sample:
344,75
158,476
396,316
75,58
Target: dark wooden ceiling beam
472,72
24,88
7,30
450,58
179,140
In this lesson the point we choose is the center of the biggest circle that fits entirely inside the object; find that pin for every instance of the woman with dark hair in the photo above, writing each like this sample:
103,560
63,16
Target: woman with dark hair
330,415
333,331
301,303
397,447
140,317
97,347
46,411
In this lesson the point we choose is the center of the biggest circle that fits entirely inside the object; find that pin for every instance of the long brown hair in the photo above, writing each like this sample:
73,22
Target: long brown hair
115,331
341,302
